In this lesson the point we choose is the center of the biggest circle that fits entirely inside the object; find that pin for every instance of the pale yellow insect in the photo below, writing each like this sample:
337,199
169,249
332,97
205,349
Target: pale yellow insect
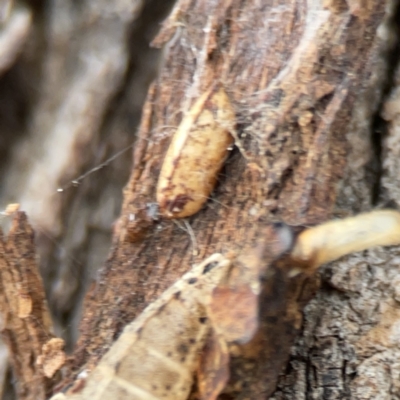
327,242
196,154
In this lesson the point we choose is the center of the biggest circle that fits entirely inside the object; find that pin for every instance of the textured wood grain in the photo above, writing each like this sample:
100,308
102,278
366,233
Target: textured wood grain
26,324
293,73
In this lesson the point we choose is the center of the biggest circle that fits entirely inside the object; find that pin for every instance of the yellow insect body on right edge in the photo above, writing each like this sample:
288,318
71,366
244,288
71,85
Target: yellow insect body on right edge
334,239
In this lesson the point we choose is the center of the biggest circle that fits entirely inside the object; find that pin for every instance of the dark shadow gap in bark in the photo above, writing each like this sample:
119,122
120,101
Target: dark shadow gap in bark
379,125
142,32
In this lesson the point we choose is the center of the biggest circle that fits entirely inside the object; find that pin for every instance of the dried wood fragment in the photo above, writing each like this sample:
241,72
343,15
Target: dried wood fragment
26,327
52,357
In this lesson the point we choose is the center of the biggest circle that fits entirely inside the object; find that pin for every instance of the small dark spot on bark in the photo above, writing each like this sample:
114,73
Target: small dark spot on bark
167,387
182,359
192,341
209,267
191,281
182,348
177,295
154,387
272,320
202,320
169,354
117,365
268,153
160,310
66,388
276,96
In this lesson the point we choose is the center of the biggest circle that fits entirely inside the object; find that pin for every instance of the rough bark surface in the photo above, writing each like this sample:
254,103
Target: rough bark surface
305,79
293,73
349,344
26,323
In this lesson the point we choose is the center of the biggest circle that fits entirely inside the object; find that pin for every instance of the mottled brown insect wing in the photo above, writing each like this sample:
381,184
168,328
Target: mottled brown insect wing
213,372
157,355
234,304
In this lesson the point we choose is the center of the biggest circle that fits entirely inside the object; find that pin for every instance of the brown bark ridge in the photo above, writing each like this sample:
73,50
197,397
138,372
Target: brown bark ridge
294,73
26,323
349,344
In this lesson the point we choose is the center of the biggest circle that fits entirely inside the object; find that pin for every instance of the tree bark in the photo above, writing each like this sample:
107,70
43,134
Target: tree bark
306,81
295,74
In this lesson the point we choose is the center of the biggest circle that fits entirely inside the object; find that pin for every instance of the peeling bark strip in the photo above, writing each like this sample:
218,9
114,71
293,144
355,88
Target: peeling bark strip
27,328
196,154
188,329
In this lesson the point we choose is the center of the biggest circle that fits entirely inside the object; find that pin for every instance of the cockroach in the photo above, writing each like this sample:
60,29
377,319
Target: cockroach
157,356
196,154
